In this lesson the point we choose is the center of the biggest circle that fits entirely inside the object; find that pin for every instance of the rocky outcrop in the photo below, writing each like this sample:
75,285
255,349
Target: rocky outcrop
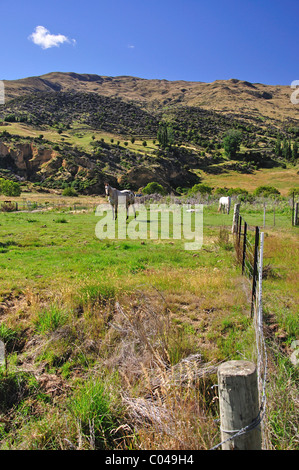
39,163
25,159
170,178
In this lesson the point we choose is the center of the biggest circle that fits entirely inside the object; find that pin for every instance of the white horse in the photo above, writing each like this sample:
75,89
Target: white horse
224,204
114,195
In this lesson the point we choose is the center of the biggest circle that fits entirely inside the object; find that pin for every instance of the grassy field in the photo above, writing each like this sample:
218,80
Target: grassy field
282,179
81,137
115,343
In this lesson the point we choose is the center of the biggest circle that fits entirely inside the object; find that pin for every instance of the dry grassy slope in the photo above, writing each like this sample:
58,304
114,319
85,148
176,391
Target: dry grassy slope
231,96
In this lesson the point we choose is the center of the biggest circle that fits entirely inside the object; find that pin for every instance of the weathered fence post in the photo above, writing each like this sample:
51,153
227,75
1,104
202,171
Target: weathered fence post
296,214
240,230
239,406
236,218
255,269
3,355
244,247
259,321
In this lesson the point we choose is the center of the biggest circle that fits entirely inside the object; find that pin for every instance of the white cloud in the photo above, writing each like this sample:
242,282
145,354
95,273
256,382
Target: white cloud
42,37
130,46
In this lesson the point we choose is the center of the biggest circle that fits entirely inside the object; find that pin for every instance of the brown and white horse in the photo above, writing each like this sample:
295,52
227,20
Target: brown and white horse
115,196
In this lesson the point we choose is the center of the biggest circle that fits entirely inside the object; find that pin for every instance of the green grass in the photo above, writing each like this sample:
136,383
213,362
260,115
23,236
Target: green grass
62,285
80,137
92,406
50,319
71,250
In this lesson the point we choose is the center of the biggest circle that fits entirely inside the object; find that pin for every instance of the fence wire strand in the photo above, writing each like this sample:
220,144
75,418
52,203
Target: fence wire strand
252,267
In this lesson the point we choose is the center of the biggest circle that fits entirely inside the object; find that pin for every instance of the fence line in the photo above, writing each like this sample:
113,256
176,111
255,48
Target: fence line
31,206
252,268
262,361
249,252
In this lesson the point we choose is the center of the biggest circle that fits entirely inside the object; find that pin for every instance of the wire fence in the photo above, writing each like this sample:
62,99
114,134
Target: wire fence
37,206
249,246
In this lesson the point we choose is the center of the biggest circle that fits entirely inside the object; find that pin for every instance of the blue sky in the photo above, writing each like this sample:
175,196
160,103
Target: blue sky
197,40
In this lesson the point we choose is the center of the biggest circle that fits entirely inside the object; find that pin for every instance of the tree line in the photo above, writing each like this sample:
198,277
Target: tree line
284,149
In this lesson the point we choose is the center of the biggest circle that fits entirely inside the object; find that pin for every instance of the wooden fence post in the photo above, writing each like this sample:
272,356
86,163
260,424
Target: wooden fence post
3,355
296,214
236,218
244,247
239,406
240,230
256,247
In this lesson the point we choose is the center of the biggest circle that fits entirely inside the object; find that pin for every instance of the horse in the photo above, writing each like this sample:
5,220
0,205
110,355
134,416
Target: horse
113,195
224,204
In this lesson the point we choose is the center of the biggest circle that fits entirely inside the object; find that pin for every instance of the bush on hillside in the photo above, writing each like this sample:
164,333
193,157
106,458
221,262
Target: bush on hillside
232,142
154,188
200,188
266,191
70,192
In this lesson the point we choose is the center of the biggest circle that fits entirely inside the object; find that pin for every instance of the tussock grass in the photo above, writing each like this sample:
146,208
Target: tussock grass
281,429
96,415
50,319
61,220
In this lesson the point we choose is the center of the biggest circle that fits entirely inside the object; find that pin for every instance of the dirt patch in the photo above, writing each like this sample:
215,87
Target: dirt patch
52,384
12,303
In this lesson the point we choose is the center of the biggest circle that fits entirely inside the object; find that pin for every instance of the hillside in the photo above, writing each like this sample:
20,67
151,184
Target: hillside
229,96
66,128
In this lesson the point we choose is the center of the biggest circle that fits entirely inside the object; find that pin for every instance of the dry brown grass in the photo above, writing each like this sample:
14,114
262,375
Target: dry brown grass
55,199
169,405
221,95
282,179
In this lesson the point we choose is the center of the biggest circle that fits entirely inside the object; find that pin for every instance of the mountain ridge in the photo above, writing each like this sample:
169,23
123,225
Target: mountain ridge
225,96
74,129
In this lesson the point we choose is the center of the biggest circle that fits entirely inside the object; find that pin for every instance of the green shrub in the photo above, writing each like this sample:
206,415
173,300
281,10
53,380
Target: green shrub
266,191
69,192
232,142
294,191
8,207
10,118
152,188
200,188
220,191
61,220
237,192
9,188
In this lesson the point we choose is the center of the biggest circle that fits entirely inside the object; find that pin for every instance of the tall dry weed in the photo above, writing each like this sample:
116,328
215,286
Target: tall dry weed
170,405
